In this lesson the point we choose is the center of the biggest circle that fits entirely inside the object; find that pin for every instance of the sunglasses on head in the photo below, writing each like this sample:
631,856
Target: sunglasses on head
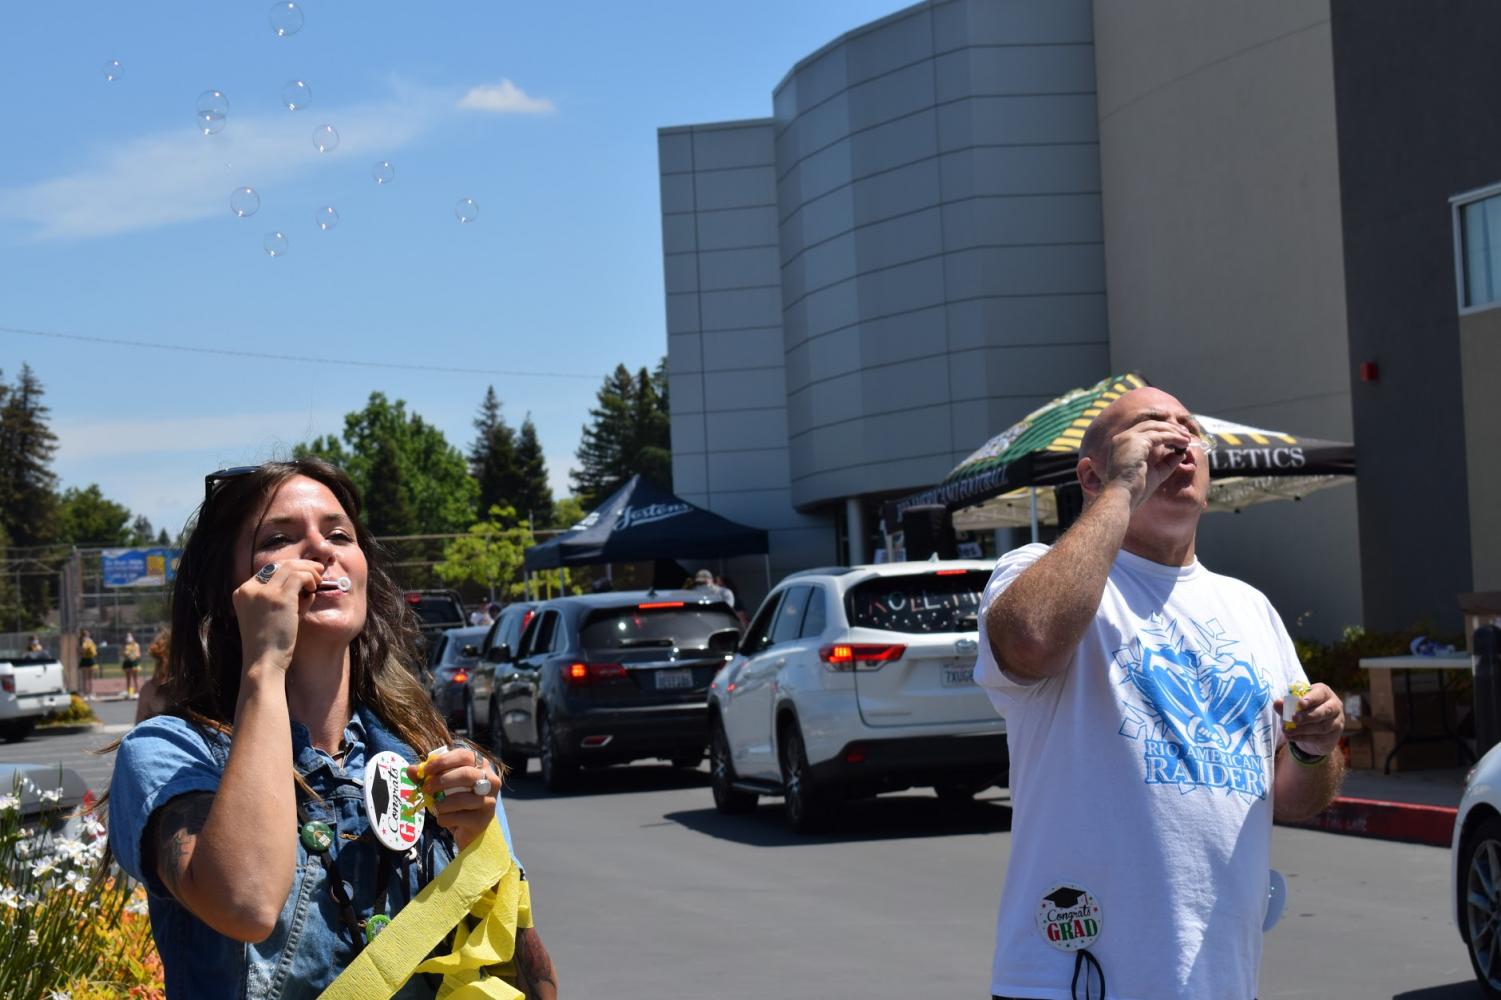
214,479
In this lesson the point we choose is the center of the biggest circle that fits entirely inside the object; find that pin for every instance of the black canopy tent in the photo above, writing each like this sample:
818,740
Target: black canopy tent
641,521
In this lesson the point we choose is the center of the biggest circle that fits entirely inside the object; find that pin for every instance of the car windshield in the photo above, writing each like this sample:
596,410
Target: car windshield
928,602
438,611
679,627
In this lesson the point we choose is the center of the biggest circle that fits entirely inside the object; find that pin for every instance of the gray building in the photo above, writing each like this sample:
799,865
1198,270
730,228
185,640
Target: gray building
963,209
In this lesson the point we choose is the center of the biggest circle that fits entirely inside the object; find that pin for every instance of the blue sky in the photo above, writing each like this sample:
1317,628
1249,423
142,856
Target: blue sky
115,218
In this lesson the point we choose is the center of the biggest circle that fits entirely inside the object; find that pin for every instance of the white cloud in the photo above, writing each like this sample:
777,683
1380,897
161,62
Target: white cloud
265,433
180,175
505,98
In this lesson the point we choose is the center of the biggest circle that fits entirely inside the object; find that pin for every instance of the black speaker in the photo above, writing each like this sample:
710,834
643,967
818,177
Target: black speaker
929,530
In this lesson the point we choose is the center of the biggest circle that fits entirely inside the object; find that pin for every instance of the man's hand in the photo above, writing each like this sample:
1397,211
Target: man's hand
1143,455
1319,723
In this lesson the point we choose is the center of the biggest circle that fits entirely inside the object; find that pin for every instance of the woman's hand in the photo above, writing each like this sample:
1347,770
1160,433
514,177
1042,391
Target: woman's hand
448,781
268,608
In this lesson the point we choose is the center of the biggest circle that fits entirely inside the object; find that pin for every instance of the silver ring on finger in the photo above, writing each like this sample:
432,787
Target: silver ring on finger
482,787
266,572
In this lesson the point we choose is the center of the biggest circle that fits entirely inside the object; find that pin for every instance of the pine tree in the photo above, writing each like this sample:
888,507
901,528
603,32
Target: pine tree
141,531
28,503
162,538
628,434
492,458
534,498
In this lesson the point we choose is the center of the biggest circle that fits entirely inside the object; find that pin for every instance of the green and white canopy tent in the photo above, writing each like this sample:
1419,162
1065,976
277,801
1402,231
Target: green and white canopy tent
1002,484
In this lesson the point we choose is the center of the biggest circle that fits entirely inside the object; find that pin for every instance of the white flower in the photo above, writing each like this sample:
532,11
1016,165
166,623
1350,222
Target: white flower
72,850
10,897
137,905
92,826
32,939
43,867
9,803
60,995
23,848
52,795
77,881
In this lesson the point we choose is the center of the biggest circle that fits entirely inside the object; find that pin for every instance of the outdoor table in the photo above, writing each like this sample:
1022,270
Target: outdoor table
1383,700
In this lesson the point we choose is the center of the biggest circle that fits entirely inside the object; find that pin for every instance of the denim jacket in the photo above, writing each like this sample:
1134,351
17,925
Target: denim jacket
166,756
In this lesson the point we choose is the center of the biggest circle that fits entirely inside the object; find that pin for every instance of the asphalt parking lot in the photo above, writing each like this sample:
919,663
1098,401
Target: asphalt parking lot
642,890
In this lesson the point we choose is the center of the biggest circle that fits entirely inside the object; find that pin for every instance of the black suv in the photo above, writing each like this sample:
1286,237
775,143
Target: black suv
437,611
611,678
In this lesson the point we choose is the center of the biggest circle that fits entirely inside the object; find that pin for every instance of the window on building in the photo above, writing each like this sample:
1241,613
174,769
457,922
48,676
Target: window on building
1479,247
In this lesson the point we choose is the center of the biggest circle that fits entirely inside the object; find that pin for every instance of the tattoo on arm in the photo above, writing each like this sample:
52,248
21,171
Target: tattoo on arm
175,827
534,972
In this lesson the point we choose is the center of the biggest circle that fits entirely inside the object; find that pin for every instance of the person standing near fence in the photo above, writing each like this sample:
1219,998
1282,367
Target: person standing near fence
130,663
88,659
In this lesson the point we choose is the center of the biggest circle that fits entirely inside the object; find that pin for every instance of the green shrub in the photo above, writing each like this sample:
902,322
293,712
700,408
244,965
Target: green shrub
78,711
1338,664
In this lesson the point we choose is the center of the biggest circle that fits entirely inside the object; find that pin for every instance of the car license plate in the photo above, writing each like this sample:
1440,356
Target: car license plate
674,679
958,675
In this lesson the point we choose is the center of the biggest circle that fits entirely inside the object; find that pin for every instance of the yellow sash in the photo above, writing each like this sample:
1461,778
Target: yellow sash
483,883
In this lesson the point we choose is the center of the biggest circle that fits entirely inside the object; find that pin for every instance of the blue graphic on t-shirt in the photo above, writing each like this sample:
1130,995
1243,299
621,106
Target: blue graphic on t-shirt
1197,707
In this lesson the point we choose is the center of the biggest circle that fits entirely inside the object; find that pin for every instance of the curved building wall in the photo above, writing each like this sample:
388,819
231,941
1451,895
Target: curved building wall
939,221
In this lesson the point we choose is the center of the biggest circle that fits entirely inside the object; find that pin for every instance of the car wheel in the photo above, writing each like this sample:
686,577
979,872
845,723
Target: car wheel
1480,903
727,799
17,729
558,769
514,760
687,761
956,792
803,802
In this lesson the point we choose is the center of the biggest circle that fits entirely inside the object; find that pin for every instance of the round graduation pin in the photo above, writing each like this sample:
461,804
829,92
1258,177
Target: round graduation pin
393,801
317,837
1068,916
375,925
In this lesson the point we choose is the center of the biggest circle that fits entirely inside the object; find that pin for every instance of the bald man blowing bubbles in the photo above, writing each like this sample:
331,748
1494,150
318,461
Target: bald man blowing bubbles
1142,696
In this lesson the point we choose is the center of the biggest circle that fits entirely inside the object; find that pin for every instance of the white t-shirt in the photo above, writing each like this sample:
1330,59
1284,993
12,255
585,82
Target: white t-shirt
1141,784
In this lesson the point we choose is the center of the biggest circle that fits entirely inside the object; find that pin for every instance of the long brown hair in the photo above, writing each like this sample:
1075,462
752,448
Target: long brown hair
201,680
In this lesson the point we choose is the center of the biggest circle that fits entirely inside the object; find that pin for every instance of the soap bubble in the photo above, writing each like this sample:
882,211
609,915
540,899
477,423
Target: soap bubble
286,19
383,172
213,111
326,218
325,138
466,210
112,69
275,244
244,202
296,94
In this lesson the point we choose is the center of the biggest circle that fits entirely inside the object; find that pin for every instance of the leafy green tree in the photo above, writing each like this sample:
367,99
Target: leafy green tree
534,497
141,532
86,517
162,538
628,433
423,482
491,554
567,512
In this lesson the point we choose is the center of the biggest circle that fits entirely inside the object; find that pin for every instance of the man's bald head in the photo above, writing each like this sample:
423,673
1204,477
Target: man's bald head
1145,403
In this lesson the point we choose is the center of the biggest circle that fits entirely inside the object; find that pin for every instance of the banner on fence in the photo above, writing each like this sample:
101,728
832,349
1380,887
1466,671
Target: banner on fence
140,567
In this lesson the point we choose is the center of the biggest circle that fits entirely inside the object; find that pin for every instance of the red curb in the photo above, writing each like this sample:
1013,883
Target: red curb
1404,821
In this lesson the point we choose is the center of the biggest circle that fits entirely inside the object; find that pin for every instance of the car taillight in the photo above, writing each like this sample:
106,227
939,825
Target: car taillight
460,677
860,656
526,620
950,572
584,674
659,604
8,682
414,598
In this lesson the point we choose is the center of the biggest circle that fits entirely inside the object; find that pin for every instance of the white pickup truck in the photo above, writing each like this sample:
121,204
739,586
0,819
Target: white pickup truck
31,687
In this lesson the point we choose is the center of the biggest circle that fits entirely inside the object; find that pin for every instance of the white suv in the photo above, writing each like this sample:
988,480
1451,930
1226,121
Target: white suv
855,681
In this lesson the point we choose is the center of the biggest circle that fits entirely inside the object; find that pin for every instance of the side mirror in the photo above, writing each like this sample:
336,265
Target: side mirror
498,654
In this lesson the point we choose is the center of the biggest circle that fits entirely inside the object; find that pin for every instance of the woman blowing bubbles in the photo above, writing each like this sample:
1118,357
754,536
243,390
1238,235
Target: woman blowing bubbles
242,808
